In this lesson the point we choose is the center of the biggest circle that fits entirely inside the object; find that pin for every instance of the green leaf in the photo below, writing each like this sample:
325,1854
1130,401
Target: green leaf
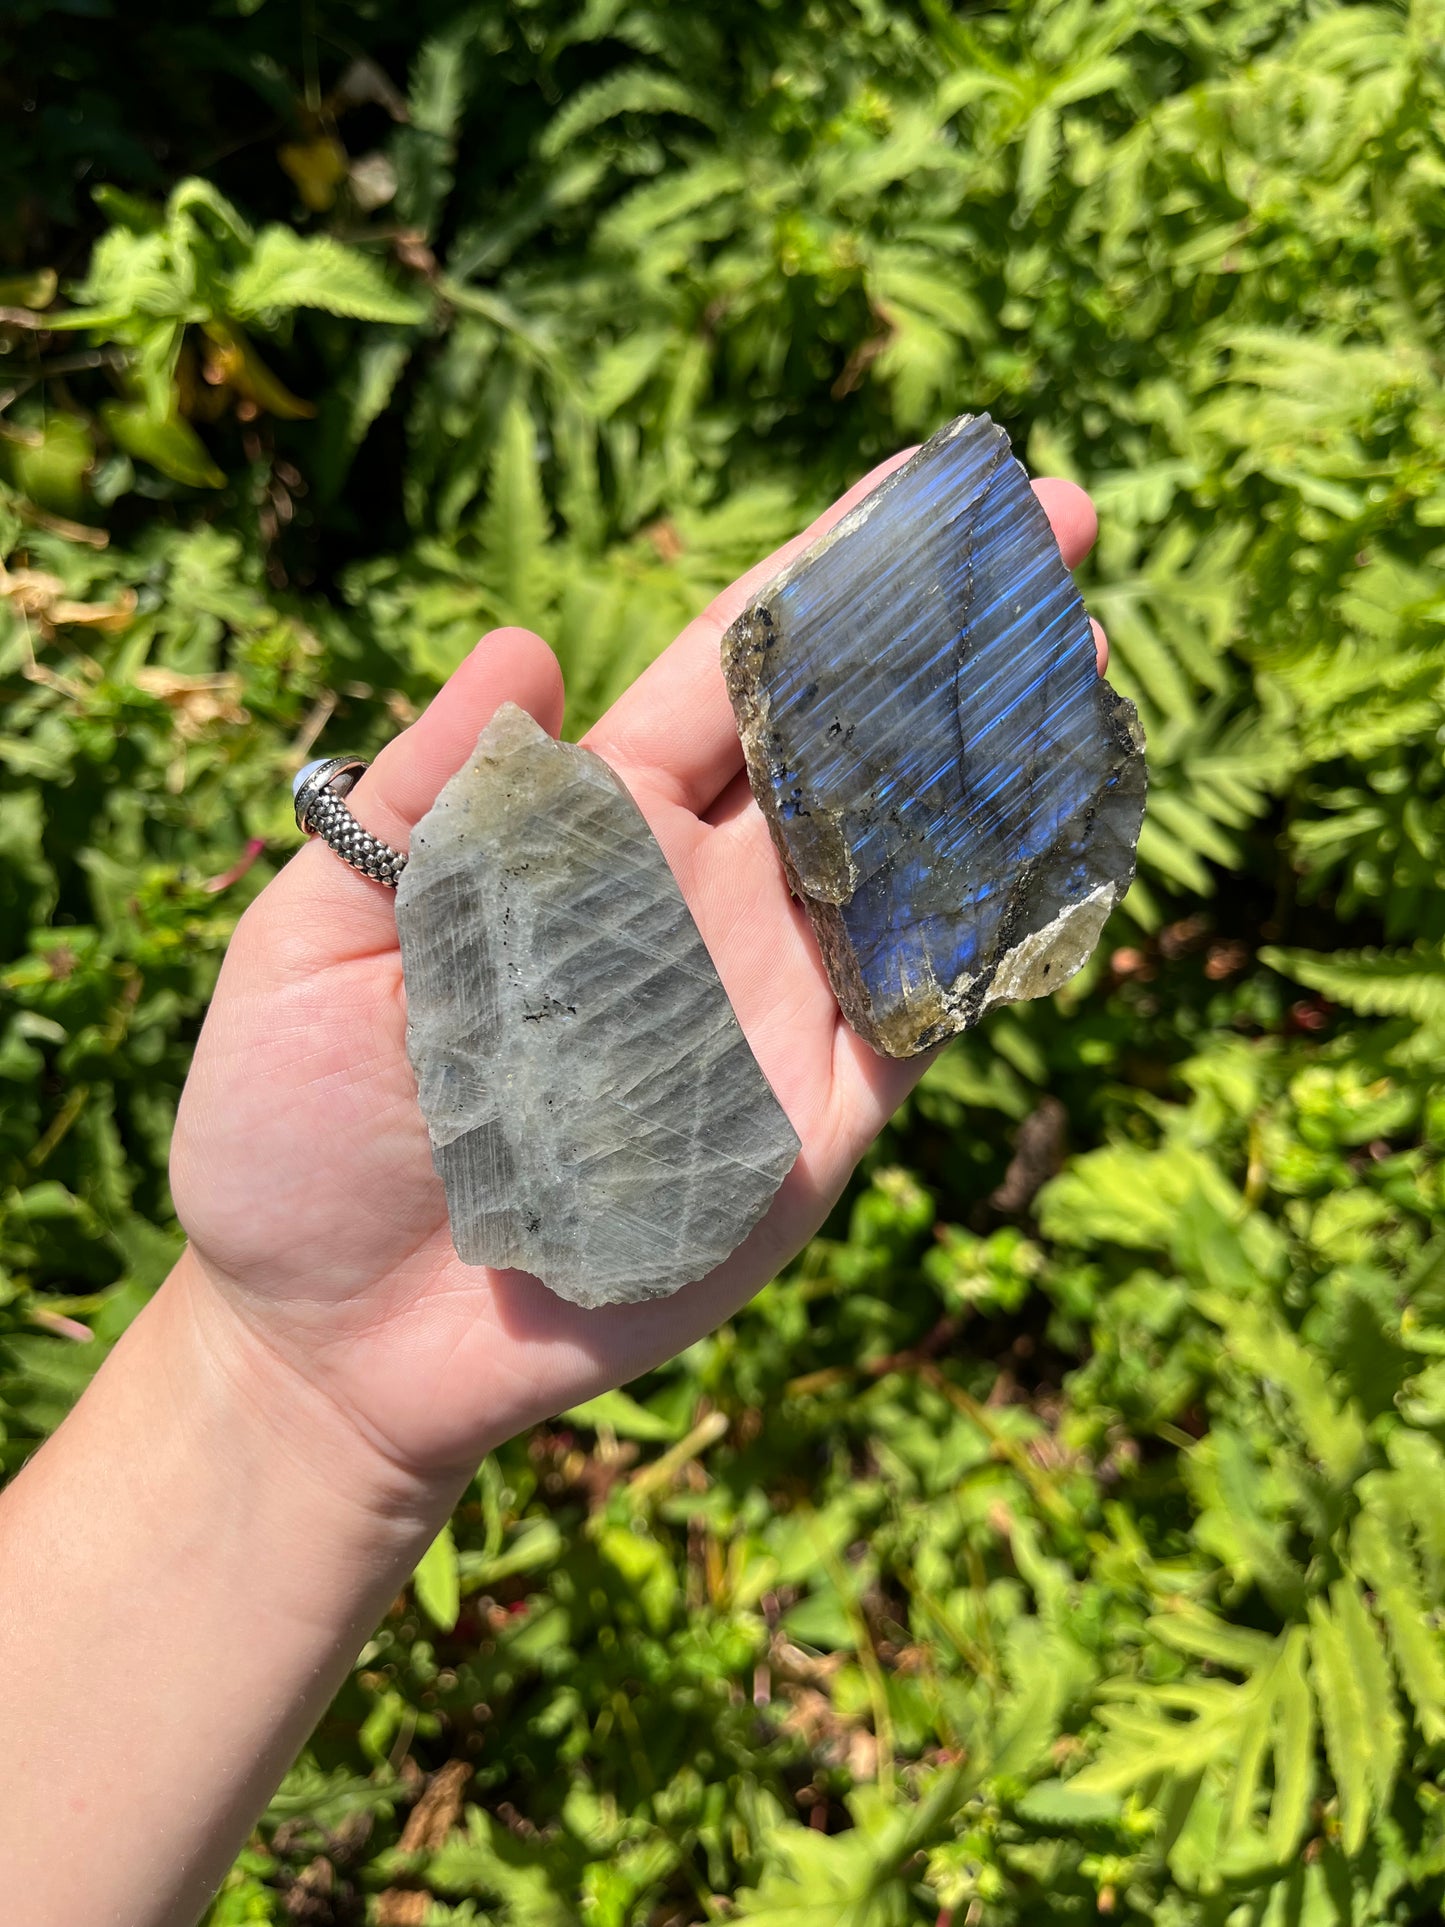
1294,1749
355,403
631,90
620,1413
1061,1804
1142,1744
437,1581
537,1544
168,443
425,149
1366,1658
1131,1197
1377,983
536,1884
33,290
516,526
1332,1429
1343,1716
812,1879
286,270
1190,1629
647,1569
1247,1760
1415,1642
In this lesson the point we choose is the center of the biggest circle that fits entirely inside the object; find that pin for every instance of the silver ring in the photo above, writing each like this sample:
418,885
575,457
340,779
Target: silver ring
318,792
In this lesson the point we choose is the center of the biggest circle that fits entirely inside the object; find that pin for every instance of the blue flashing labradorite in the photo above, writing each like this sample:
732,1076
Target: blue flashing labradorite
954,791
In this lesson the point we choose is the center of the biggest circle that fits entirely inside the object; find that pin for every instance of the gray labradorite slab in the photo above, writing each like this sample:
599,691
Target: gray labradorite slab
596,1114
955,792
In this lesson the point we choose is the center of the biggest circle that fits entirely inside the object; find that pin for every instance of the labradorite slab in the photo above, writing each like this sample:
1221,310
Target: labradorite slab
595,1112
954,791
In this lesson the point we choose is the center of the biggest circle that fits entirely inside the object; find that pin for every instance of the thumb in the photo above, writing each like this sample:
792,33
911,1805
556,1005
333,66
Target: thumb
329,912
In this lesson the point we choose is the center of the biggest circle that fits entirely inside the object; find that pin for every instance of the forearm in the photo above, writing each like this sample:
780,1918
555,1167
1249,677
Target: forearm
186,1570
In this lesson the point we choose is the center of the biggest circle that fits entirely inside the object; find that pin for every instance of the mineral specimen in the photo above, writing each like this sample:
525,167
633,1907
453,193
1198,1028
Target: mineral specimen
595,1112
954,791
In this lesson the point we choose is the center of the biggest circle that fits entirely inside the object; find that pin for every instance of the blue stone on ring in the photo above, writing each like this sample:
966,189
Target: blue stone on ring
337,774
304,774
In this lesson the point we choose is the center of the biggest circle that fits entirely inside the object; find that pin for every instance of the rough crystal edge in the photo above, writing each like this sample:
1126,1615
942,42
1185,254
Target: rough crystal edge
1073,935
510,730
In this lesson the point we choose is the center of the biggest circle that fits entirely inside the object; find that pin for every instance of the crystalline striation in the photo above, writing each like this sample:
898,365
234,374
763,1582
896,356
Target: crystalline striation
596,1114
954,791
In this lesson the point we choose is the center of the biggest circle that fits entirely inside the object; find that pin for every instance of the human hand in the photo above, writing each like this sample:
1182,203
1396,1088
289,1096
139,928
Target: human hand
322,1266
280,1433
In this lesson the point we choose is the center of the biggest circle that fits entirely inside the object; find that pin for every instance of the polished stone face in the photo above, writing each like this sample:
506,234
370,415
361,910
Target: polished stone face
595,1112
955,793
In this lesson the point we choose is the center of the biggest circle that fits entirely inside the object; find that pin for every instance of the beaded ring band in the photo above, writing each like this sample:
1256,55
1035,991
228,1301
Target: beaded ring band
319,792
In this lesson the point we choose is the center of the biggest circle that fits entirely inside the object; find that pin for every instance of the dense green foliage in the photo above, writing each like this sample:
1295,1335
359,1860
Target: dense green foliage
1063,1534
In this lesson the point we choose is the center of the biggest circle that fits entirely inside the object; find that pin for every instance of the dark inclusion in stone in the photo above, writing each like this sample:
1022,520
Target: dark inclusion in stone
595,1112
955,792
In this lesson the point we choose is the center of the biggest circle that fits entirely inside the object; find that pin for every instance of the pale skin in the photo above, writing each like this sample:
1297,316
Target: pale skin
192,1562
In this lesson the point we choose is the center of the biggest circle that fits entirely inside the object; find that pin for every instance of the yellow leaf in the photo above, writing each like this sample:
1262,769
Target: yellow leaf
33,290
318,167
238,364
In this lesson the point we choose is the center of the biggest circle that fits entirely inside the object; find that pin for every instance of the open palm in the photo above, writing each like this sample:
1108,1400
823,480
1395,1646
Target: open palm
301,1166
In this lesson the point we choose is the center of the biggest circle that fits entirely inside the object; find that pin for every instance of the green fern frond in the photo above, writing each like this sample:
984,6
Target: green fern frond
632,90
1332,1429
515,526
288,270
1230,1732
1363,1732
424,150
1415,1642
1375,983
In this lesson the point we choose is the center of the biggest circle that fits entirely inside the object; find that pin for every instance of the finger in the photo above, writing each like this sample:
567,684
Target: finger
509,665
732,804
674,727
1071,517
330,907
1101,645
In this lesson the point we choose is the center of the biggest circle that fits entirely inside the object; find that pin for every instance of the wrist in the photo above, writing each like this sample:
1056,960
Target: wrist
216,1543
251,1410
